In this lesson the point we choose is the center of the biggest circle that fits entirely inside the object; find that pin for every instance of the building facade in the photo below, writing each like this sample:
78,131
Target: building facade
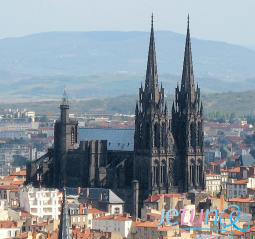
43,203
213,184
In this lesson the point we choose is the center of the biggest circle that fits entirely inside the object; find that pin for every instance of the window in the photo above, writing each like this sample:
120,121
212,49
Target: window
156,135
116,210
72,136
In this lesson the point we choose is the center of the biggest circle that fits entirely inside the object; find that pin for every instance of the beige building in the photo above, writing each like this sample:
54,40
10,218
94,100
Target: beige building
236,188
117,224
247,205
150,230
82,217
8,229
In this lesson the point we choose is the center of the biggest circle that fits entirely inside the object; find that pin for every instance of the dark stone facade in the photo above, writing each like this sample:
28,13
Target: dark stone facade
168,150
154,147
187,128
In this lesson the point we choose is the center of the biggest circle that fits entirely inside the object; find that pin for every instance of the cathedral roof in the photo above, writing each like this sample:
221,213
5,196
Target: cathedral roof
117,139
96,194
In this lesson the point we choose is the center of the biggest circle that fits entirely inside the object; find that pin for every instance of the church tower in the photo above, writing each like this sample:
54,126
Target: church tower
187,127
154,146
65,138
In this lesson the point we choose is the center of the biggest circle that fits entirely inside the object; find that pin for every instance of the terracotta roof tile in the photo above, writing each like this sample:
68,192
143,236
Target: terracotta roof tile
241,200
115,217
20,173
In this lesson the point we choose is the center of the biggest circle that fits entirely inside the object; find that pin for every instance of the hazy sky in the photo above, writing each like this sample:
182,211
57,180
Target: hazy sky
225,20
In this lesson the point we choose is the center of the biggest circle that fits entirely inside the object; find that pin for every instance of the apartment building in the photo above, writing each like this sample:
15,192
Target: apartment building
41,202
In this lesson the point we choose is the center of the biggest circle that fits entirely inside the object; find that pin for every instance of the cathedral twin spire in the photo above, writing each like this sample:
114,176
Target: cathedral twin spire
164,146
187,97
188,90
151,83
151,96
187,83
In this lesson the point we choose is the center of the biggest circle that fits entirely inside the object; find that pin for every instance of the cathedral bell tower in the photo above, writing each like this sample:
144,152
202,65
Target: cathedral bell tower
154,146
65,138
187,127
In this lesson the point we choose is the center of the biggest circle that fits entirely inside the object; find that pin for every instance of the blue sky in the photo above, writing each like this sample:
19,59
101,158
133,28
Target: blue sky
225,20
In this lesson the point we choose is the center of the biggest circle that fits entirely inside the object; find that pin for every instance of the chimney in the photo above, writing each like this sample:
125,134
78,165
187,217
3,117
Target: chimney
135,191
222,202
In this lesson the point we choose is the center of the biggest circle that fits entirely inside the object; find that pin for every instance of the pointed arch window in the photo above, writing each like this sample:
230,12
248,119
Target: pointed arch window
156,135
72,136
164,173
200,134
157,173
163,135
193,135
147,135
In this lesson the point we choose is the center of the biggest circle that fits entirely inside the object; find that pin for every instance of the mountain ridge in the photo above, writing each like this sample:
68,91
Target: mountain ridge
93,64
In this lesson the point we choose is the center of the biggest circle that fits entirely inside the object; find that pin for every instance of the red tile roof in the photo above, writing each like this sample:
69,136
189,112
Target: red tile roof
95,211
212,175
22,173
156,197
240,182
115,218
8,224
241,200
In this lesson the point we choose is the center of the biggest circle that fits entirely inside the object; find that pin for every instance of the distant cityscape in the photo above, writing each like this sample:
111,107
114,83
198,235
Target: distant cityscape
103,175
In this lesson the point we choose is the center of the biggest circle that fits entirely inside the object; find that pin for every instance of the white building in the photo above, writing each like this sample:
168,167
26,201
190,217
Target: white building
8,229
31,115
43,203
236,188
251,183
120,224
4,210
213,183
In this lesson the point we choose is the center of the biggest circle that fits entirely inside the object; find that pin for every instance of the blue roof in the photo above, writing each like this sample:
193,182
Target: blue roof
95,194
247,160
117,139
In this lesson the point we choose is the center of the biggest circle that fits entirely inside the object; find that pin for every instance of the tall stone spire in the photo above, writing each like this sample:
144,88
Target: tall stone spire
187,127
64,228
151,82
154,150
64,98
187,84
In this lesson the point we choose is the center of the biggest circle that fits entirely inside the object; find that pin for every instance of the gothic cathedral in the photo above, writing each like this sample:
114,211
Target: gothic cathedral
168,152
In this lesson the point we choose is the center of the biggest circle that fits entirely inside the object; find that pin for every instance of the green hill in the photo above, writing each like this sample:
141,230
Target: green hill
231,102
